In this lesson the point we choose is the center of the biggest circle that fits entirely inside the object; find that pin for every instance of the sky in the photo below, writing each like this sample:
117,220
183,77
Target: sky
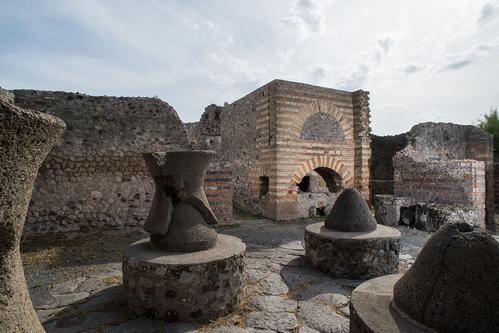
421,60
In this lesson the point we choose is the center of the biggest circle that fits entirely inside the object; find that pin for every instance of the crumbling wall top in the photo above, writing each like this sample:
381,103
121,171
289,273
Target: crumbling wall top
6,95
109,125
443,141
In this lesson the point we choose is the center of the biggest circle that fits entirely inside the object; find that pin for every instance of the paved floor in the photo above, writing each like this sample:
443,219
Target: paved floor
75,284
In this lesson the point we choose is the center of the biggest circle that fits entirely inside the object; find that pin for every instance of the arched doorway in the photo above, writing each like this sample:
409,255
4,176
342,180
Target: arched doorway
317,192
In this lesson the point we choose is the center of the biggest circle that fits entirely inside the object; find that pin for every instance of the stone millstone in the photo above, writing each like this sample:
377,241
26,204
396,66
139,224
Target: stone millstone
352,255
350,213
177,286
187,233
452,286
26,137
180,215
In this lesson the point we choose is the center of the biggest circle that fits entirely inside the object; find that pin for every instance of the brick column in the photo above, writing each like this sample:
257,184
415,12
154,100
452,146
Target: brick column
362,141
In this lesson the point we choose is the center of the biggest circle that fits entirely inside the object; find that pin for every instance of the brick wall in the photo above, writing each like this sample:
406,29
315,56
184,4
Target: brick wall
454,181
262,137
431,143
219,190
239,146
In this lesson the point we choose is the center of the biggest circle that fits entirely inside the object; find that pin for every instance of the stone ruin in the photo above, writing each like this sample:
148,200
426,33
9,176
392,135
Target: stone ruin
284,151
284,130
452,287
96,178
26,137
350,244
184,271
435,173
291,148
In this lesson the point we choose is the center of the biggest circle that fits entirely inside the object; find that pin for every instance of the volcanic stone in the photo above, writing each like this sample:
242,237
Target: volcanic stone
180,286
26,137
457,269
452,287
180,215
352,255
350,213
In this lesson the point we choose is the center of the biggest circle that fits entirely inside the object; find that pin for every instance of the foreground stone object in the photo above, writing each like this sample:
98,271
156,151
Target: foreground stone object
184,286
180,213
350,244
352,255
452,287
350,213
26,137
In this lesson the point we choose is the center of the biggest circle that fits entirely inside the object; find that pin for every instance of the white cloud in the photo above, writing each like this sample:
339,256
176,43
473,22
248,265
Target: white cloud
318,74
307,16
413,68
419,65
488,11
385,43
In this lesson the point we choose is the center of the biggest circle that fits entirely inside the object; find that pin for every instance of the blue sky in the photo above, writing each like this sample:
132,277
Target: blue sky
421,60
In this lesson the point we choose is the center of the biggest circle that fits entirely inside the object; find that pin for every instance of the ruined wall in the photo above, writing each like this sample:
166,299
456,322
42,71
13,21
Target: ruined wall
205,134
239,146
89,192
447,163
480,147
384,149
283,130
455,181
362,141
434,142
95,178
6,95
219,190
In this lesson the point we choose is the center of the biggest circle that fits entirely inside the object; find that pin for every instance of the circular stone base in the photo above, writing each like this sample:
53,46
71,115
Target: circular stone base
352,255
372,312
184,286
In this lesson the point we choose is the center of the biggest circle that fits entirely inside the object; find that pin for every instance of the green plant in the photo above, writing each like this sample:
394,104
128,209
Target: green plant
490,124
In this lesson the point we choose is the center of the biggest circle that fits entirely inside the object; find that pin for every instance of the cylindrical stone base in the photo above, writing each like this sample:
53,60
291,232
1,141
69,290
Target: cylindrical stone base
352,255
371,310
184,286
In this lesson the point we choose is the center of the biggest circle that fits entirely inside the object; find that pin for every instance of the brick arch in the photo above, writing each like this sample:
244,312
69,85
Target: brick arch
322,106
322,161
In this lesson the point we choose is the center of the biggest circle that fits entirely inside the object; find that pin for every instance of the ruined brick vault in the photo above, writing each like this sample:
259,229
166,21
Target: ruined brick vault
278,135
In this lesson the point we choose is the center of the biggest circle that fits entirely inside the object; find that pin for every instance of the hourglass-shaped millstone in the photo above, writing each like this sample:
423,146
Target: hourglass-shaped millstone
26,137
180,215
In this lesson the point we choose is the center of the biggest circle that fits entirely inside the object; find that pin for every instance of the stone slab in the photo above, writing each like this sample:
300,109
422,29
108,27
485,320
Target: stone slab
371,311
144,251
381,231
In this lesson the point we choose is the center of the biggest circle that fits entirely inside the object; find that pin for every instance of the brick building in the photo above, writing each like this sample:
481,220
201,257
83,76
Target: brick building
279,133
438,163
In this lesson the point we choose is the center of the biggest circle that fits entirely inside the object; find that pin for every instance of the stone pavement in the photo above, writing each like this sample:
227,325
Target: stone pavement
282,293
